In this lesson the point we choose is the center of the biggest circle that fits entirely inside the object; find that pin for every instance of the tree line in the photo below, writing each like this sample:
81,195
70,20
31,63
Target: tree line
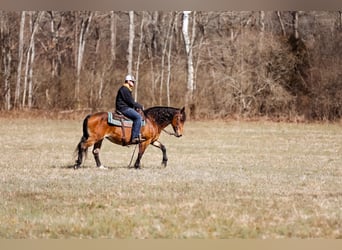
279,64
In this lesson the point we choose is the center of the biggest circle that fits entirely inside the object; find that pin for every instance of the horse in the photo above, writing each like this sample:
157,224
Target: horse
96,128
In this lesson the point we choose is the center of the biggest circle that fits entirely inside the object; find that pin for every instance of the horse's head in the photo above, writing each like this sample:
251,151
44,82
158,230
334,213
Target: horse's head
178,122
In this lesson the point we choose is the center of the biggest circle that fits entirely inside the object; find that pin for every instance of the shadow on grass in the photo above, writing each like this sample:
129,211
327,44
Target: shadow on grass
93,167
69,167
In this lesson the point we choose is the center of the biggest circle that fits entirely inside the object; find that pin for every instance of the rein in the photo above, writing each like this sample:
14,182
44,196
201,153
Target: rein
169,133
129,165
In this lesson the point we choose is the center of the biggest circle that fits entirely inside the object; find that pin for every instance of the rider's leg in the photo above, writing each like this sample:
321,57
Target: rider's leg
137,120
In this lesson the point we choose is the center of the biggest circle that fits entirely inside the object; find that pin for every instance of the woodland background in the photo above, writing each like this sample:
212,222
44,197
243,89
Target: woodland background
277,64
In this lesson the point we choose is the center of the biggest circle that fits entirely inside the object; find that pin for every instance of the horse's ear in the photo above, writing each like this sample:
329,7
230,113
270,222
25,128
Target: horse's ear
182,110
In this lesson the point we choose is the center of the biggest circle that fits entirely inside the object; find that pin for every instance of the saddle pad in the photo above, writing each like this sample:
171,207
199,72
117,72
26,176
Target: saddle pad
116,122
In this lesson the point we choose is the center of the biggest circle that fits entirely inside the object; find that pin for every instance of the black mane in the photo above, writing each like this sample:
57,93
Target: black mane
161,115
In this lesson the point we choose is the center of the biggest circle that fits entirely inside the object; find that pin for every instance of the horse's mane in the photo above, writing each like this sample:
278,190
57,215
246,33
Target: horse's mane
161,115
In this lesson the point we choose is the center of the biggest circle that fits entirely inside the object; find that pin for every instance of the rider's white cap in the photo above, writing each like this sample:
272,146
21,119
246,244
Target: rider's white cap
130,78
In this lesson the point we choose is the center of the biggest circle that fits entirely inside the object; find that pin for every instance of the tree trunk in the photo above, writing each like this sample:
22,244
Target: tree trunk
295,24
34,23
30,83
99,93
169,61
113,22
55,51
6,59
153,81
139,55
281,23
130,43
262,22
85,24
166,42
188,48
20,60
152,48
53,42
93,100
193,35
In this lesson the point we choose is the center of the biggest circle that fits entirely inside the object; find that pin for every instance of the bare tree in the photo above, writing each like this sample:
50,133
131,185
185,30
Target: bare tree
262,22
6,59
20,59
193,35
55,50
295,24
55,24
188,49
130,42
167,41
28,78
113,18
151,45
94,98
139,55
281,23
85,24
170,36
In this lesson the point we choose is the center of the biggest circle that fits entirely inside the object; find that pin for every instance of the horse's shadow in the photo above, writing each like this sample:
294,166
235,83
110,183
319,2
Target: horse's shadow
90,167
70,166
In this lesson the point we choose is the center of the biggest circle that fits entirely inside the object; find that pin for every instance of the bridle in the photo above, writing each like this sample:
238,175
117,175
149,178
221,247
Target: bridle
169,133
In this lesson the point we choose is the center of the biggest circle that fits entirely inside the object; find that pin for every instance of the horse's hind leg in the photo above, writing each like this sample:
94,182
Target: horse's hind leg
96,153
163,149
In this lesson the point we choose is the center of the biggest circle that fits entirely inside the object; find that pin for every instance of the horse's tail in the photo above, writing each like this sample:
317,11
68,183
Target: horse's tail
84,137
85,128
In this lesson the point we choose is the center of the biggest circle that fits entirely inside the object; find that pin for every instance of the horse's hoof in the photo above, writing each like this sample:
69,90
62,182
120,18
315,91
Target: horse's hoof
103,167
76,167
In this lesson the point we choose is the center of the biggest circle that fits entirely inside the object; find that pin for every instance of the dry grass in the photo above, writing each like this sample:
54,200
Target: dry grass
224,180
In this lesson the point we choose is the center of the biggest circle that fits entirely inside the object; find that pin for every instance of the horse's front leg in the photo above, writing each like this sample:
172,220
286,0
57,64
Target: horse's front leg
142,148
96,153
163,149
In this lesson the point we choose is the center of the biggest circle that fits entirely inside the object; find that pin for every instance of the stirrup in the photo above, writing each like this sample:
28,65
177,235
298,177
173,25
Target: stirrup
138,140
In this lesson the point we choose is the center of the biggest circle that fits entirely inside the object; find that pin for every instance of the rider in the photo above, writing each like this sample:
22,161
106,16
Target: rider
128,107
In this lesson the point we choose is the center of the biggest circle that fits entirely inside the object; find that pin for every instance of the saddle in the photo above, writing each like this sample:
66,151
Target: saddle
120,120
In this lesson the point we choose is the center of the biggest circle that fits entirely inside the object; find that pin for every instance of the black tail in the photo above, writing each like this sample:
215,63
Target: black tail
85,136
85,128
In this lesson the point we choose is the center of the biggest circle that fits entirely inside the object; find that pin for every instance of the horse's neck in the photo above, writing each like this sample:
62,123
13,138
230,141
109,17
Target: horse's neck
159,123
162,117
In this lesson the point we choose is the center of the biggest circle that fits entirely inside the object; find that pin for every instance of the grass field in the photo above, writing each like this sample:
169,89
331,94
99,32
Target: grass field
223,180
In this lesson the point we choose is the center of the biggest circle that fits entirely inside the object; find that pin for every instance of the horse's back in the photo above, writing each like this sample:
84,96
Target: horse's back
98,119
97,115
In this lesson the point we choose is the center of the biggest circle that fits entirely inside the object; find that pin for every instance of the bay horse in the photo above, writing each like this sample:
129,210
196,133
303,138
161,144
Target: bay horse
96,128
